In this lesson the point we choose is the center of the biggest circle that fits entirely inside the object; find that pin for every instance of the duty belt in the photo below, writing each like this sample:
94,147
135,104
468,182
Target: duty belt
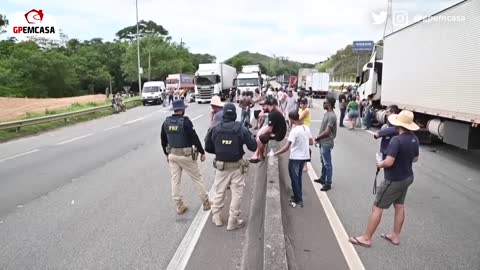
232,165
187,151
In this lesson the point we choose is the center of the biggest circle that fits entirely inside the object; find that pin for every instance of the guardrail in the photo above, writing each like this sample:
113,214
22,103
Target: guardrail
44,119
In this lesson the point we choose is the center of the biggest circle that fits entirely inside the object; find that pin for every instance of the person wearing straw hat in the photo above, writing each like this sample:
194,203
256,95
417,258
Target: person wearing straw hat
178,141
217,111
402,152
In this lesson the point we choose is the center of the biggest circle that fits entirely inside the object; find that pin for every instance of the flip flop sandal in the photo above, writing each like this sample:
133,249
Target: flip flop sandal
386,237
355,241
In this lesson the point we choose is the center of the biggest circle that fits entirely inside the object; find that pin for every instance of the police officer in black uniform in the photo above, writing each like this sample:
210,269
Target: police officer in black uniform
226,141
181,144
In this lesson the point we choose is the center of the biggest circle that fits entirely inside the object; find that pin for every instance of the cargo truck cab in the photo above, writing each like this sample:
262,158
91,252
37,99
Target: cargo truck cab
206,86
248,82
249,79
370,81
213,79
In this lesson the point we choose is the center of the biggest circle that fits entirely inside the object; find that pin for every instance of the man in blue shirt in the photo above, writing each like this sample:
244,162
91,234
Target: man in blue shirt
387,132
402,151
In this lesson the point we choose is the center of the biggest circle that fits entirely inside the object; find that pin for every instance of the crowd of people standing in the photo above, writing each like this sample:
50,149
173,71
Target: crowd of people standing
279,114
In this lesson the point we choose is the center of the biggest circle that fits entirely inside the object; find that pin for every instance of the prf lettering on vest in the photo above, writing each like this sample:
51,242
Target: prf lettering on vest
172,128
226,141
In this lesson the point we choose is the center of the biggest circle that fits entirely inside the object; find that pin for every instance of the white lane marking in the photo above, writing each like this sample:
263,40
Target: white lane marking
184,251
110,128
316,121
133,121
349,252
371,132
75,139
197,117
141,118
19,155
19,206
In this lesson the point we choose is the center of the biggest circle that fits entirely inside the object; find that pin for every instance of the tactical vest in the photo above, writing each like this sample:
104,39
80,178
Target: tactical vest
228,143
174,128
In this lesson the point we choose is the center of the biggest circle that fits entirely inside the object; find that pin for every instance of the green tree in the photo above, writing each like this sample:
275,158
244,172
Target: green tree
144,28
203,59
68,67
164,57
3,23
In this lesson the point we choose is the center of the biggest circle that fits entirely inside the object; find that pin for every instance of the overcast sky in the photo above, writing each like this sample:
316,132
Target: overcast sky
303,30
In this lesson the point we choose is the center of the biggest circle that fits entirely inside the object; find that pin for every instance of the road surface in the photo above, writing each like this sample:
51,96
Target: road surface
97,196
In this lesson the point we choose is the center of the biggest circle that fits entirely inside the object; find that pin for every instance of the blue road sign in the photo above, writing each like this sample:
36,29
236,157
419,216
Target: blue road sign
363,46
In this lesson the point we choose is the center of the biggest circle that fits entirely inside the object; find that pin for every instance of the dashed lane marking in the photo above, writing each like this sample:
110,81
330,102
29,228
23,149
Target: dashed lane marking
197,117
75,139
19,155
110,128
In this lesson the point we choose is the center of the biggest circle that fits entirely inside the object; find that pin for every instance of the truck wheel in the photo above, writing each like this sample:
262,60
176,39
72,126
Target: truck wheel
144,103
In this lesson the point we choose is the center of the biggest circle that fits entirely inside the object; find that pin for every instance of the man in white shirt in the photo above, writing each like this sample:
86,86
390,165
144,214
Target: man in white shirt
299,140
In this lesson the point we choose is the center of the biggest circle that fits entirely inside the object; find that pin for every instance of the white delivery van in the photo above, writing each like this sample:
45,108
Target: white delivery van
152,92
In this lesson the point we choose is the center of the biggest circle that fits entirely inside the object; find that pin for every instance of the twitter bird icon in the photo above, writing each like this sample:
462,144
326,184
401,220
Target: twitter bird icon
379,17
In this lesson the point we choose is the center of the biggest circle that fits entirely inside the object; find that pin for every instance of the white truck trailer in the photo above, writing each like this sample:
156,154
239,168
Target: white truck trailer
432,68
303,74
213,79
319,82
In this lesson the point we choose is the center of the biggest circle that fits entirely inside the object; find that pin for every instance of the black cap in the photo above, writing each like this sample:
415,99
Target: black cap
229,112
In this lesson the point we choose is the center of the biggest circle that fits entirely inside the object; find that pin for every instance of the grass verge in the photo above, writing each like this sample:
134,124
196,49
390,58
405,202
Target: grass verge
7,135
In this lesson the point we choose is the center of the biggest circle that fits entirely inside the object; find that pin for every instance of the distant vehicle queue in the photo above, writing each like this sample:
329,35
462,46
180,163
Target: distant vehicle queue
219,79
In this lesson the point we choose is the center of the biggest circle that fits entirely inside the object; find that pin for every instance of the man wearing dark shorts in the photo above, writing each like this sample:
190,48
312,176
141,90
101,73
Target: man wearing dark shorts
275,130
401,153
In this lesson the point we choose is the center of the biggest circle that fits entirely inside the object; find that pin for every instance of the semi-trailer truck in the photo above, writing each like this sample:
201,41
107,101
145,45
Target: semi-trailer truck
213,79
180,81
249,79
432,68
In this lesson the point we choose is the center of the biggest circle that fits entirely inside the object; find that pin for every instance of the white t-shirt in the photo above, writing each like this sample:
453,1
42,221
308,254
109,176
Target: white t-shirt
300,139
291,104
